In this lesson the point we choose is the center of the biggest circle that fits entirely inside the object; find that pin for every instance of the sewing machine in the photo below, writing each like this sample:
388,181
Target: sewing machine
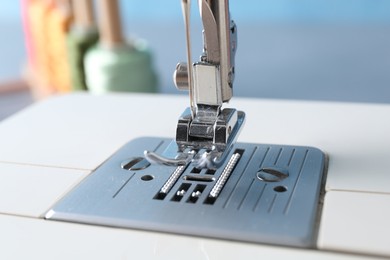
103,177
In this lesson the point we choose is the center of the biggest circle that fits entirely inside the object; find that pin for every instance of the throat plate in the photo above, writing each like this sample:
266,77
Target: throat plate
271,195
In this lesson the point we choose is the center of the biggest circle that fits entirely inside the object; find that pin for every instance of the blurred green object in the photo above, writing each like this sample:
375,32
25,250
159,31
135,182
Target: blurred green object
78,44
115,64
82,36
124,68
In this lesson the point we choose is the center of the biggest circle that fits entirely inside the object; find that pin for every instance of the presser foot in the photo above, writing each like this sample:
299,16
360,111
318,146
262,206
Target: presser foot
261,193
205,144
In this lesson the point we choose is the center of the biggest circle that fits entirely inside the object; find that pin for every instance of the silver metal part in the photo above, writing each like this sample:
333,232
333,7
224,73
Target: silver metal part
200,178
186,8
206,129
180,76
202,126
196,194
181,193
212,46
180,160
203,151
223,132
272,174
225,175
207,85
135,164
219,47
173,179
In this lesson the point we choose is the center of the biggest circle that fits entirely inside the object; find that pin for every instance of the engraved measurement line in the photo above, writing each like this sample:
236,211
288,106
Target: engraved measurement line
271,206
291,157
278,156
265,155
239,179
258,200
158,146
246,194
295,184
124,184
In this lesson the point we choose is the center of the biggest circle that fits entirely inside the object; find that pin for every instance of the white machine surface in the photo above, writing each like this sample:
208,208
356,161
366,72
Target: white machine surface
49,148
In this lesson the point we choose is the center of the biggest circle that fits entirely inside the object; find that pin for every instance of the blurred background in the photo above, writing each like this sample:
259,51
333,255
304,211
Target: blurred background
333,50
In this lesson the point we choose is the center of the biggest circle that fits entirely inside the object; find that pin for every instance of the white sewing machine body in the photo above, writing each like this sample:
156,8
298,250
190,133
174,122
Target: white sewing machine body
51,147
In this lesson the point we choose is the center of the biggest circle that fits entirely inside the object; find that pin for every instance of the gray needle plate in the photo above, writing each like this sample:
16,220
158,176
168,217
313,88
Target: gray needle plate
272,195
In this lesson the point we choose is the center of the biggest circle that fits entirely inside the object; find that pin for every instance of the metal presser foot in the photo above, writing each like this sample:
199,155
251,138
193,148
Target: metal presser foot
203,183
205,132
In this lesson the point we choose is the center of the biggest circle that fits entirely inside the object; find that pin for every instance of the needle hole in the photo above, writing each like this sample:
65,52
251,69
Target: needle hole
147,178
280,189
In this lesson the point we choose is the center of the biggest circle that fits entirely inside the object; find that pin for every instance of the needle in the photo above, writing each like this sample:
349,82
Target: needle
186,7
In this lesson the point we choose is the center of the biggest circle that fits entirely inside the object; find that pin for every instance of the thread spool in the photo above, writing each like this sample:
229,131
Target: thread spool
113,64
37,12
82,36
58,25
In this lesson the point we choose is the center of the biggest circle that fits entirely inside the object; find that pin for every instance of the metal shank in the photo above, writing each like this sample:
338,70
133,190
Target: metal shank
209,80
206,130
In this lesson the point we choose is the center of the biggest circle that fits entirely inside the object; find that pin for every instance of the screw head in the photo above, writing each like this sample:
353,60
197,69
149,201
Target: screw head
272,174
135,164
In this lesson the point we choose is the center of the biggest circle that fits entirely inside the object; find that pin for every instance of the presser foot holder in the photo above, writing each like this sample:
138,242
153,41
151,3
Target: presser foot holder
266,194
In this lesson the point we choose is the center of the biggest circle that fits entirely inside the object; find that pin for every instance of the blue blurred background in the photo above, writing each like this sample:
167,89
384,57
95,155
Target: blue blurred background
335,50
